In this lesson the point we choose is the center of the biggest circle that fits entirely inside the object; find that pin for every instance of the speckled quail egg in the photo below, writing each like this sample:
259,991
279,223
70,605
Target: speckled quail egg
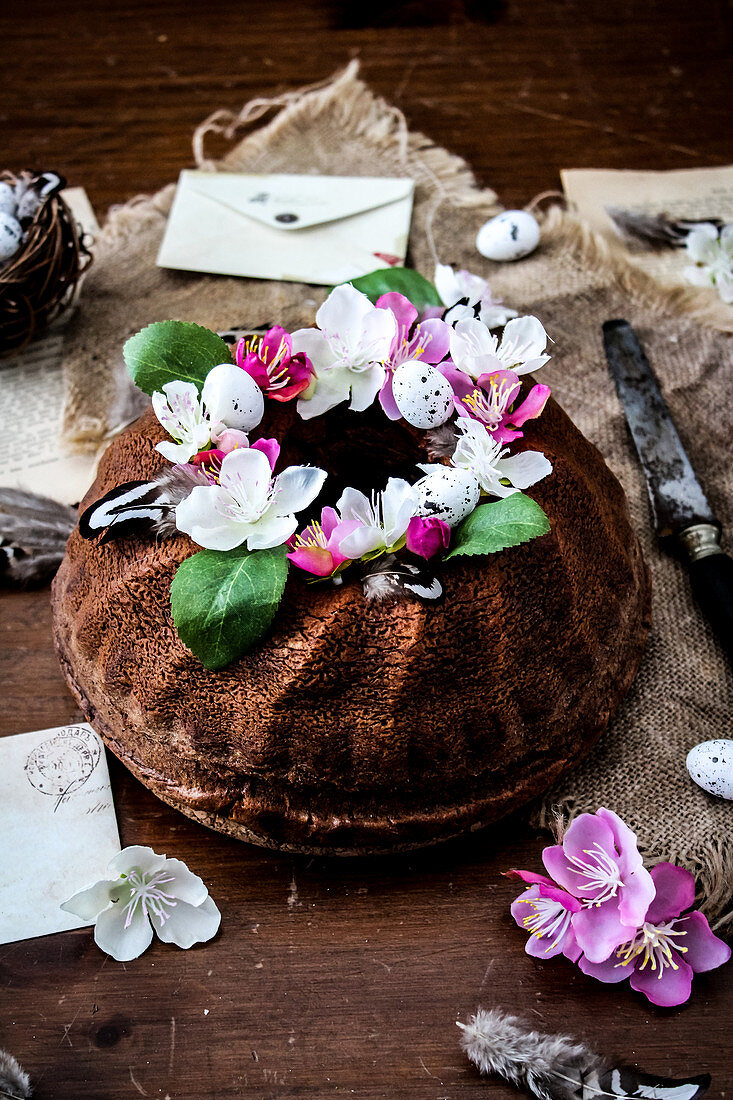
8,199
28,205
509,236
710,764
11,235
422,394
232,397
448,493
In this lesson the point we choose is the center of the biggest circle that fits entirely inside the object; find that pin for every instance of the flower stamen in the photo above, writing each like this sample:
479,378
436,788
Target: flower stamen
549,919
147,894
602,874
655,943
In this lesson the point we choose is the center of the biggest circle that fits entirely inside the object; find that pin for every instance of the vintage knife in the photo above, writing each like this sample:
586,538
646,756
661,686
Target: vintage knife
683,518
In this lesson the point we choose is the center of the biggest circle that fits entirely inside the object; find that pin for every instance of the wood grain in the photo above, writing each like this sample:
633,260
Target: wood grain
334,978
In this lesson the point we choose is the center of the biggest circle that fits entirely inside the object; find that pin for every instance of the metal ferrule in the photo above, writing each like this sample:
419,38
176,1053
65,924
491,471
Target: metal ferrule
702,540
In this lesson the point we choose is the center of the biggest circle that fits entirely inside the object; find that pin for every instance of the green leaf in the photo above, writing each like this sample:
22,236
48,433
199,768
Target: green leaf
402,279
169,350
494,527
224,601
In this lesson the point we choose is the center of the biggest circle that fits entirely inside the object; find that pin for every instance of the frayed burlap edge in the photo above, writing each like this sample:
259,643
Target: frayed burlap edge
359,111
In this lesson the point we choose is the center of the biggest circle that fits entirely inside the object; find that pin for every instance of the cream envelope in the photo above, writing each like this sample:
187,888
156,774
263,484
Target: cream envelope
312,229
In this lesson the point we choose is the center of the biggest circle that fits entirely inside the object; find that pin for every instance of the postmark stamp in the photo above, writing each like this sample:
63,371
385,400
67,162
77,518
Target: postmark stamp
63,763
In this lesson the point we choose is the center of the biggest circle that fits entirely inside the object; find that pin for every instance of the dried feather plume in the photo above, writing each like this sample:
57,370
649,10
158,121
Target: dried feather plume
33,535
441,442
14,1083
389,578
556,1067
655,231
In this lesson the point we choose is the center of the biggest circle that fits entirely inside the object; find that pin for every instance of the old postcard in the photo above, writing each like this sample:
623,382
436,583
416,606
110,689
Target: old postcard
687,193
58,829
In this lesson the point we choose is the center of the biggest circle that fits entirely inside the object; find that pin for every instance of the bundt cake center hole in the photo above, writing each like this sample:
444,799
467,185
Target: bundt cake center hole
362,450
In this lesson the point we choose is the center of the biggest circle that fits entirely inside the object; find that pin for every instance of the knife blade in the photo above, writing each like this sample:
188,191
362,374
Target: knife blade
682,515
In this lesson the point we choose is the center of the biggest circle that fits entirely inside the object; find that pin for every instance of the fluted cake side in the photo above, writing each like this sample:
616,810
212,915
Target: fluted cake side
360,726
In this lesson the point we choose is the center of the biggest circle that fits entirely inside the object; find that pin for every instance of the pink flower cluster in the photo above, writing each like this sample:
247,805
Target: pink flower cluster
317,548
283,375
601,908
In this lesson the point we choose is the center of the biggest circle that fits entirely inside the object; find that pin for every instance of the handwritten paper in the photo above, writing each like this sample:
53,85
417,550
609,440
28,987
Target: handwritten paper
58,829
695,193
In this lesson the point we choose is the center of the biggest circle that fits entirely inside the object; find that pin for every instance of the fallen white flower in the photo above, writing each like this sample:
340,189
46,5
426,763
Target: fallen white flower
712,253
145,892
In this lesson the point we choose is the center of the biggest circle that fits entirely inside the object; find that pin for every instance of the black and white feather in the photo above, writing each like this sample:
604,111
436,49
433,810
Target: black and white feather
654,231
33,535
390,578
556,1067
141,507
14,1082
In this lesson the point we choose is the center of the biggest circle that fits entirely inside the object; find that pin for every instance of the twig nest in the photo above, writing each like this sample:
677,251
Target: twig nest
509,236
710,764
422,394
42,256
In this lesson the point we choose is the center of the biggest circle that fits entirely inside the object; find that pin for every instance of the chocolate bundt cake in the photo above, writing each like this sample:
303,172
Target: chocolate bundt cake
358,726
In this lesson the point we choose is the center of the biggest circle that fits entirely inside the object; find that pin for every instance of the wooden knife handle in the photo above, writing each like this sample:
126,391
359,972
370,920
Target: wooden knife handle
711,574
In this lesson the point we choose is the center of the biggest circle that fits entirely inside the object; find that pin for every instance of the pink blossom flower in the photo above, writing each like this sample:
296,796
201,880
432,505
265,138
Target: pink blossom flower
491,398
210,461
599,863
427,535
427,340
546,912
316,548
671,944
269,359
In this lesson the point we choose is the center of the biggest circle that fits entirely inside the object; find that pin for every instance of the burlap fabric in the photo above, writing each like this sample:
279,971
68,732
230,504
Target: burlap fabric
684,691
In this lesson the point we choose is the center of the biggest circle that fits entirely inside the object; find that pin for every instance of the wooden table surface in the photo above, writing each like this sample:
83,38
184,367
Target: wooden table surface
335,978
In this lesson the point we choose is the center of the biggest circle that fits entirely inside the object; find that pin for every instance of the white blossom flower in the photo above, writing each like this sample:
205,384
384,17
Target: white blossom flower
248,504
383,520
476,351
145,892
483,456
469,296
180,410
712,254
230,398
348,351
